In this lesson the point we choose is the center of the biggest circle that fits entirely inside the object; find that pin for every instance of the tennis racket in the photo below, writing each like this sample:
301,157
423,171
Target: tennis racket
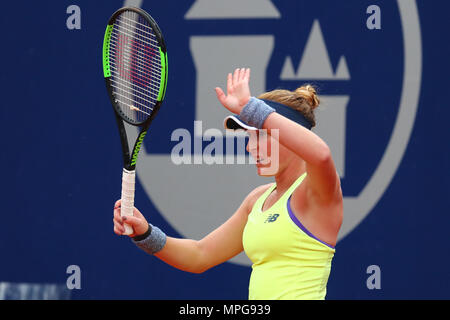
135,71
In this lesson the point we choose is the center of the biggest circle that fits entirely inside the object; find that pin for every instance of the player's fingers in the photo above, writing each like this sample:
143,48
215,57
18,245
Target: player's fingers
220,95
247,74
118,203
236,76
242,74
118,224
140,226
132,221
229,83
118,219
117,214
119,230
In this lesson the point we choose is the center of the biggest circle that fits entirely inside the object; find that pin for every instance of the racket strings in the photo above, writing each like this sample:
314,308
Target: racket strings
136,69
138,64
121,83
123,26
148,63
135,66
139,107
145,26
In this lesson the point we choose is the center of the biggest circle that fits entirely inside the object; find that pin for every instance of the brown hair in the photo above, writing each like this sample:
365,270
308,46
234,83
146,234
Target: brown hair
303,99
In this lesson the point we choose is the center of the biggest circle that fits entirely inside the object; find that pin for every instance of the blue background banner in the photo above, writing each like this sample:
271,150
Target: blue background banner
61,153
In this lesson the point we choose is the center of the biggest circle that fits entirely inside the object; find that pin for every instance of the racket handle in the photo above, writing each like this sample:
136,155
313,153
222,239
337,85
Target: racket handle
127,206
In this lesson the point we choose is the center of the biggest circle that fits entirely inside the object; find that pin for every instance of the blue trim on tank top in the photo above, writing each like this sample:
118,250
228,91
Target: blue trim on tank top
301,226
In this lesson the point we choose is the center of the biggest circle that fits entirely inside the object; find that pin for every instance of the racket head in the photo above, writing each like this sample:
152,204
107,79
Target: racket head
134,65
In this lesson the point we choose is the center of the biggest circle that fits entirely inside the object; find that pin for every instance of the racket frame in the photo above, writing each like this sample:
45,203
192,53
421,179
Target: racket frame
130,158
129,164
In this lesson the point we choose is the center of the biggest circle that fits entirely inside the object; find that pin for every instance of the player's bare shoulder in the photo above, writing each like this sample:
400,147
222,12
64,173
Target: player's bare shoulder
254,195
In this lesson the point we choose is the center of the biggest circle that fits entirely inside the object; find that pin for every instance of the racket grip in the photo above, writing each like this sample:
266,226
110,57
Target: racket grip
127,206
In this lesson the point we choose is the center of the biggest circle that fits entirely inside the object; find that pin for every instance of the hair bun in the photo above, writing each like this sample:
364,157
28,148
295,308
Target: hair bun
308,92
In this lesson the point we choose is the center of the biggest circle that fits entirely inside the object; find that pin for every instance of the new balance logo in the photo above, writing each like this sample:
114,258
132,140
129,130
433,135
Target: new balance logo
272,217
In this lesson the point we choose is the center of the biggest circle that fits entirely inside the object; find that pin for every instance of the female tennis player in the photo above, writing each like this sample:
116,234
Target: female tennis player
289,228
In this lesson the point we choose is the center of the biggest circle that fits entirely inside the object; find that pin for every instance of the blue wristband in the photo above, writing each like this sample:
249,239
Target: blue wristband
256,112
154,242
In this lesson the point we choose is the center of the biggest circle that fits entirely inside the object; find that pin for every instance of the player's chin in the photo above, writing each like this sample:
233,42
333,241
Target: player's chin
267,170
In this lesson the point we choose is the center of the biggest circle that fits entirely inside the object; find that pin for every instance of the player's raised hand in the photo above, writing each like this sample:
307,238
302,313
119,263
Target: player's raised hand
238,91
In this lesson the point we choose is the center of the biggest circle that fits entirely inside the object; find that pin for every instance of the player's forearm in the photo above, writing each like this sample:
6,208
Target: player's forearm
183,254
299,140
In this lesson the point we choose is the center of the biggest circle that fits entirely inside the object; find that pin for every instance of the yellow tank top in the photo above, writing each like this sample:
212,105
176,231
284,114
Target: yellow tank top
288,261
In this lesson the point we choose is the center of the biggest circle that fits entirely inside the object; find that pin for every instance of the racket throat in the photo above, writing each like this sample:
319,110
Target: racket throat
136,149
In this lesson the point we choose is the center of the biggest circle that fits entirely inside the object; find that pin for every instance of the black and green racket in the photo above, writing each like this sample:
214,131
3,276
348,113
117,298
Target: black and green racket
135,70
